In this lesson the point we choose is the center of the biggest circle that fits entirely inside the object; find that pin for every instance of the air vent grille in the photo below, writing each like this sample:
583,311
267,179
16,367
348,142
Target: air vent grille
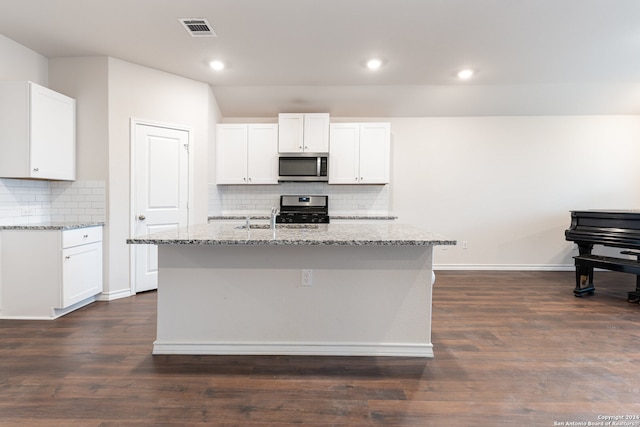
198,27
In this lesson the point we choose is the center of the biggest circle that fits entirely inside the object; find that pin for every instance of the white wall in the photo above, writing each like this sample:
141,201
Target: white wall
137,92
18,62
506,184
110,93
85,80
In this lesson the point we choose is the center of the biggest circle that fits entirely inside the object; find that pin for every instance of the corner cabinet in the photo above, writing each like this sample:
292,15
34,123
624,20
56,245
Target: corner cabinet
303,133
45,274
359,153
37,132
247,153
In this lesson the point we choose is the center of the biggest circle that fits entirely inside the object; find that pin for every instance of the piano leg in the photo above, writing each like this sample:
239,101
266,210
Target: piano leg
634,296
584,281
584,273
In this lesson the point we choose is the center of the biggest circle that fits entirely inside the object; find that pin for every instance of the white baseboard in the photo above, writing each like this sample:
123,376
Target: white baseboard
54,313
504,267
110,296
294,349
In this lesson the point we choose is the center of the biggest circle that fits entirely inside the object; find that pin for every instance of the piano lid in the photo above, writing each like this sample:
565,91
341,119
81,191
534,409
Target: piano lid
617,228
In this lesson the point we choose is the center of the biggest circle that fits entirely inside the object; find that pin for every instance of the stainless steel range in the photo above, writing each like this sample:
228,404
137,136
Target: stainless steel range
303,210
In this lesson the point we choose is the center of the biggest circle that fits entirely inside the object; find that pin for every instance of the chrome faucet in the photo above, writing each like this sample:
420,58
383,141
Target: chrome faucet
274,212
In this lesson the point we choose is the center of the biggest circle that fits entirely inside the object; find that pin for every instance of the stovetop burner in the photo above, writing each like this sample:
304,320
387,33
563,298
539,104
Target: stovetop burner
303,209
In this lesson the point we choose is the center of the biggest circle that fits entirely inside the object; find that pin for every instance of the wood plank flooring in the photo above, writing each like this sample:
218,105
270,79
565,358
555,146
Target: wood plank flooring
511,349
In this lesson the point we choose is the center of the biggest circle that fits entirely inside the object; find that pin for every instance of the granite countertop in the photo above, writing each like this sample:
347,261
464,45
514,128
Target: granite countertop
221,233
51,226
354,217
365,217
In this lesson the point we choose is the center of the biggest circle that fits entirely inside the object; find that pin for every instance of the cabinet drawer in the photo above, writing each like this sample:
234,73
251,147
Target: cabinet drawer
81,236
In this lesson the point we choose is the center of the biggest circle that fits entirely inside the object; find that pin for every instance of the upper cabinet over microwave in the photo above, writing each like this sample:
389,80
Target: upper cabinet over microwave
37,132
303,133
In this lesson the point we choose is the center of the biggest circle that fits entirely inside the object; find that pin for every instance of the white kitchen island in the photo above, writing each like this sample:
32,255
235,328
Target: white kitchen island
331,289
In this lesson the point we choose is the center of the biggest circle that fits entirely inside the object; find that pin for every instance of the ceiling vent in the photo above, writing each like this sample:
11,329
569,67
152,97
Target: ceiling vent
198,27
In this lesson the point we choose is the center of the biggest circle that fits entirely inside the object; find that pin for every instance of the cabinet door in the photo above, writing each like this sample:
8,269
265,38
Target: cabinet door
290,132
262,152
231,154
81,273
53,134
374,153
316,133
343,157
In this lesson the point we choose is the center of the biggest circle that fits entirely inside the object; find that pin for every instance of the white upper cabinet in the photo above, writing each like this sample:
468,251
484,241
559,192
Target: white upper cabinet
359,153
231,154
344,157
37,132
247,153
299,133
262,154
375,147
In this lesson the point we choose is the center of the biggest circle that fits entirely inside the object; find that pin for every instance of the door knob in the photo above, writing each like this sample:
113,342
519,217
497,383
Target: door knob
142,217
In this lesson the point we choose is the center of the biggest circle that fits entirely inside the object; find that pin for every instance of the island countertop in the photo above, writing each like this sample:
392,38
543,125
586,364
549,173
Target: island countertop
227,233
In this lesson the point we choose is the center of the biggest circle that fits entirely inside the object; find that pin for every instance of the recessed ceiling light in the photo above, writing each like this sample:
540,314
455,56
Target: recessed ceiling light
465,74
217,65
374,64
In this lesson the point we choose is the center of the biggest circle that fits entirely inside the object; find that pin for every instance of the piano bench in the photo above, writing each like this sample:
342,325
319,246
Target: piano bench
587,262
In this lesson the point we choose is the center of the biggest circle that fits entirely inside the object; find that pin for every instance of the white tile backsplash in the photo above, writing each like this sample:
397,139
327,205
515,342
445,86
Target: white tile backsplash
25,201
258,199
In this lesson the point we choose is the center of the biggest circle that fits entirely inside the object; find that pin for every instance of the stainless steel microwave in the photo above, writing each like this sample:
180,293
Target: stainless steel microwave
303,167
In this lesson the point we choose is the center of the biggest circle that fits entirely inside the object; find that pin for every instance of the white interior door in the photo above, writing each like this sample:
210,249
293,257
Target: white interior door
161,193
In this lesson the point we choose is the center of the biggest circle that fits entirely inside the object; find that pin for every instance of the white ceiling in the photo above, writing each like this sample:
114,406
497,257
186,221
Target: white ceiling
531,56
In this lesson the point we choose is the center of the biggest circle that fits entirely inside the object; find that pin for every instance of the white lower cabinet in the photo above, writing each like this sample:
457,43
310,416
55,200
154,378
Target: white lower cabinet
45,274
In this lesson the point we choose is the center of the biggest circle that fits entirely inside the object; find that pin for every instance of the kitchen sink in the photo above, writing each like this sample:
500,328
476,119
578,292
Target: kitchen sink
288,226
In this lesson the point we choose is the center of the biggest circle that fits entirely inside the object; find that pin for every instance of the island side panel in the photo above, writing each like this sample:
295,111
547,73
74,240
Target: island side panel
364,300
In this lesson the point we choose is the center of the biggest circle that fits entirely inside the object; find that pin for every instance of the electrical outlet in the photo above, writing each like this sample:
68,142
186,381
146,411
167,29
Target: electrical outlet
465,245
27,211
306,278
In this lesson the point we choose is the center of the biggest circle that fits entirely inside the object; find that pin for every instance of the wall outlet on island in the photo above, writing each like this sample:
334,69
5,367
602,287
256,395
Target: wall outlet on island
27,211
306,278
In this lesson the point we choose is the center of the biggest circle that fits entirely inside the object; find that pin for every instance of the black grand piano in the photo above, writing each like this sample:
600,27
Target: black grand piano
619,229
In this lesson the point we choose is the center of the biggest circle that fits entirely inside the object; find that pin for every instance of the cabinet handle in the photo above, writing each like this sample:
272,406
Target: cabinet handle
85,236
67,257
249,179
36,169
142,217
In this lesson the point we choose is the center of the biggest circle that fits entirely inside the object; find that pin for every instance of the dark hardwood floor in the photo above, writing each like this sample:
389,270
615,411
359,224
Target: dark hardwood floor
511,349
